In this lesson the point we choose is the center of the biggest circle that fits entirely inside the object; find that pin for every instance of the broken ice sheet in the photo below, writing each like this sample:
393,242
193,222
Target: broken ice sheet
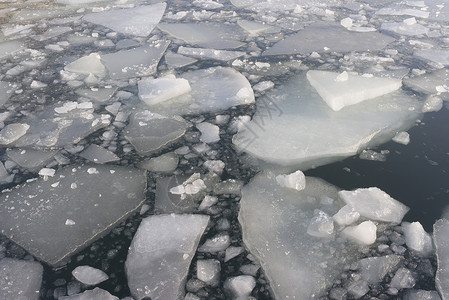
174,60
439,56
436,82
100,95
60,125
207,35
154,91
6,90
135,21
275,221
213,89
332,37
20,279
213,54
52,32
71,209
29,158
150,132
90,64
9,48
294,127
160,254
137,62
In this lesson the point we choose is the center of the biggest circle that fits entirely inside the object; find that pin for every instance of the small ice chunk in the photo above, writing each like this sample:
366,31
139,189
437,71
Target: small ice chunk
215,244
208,271
372,155
239,287
210,133
37,84
346,216
338,92
86,65
358,289
364,233
232,252
207,202
215,166
174,60
154,91
417,239
343,76
375,204
263,86
229,186
403,279
346,22
12,132
89,275
47,172
402,138
321,225
296,180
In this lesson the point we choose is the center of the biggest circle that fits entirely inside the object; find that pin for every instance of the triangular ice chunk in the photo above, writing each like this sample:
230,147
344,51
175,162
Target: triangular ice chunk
52,218
340,90
137,21
160,254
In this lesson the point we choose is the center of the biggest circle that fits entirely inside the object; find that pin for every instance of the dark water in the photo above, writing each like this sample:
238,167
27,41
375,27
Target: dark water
416,174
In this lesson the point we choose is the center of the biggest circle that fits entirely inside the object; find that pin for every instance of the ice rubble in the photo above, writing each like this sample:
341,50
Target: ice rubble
294,127
135,21
276,229
160,254
75,207
20,279
209,93
343,89
332,37
441,240
150,132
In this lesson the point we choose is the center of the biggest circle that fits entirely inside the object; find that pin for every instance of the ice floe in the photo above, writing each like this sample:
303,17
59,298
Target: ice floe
20,279
163,243
34,215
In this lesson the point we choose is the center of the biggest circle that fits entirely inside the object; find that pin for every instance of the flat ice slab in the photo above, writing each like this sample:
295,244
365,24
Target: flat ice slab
294,127
136,21
149,132
333,37
342,89
375,204
160,255
20,279
73,208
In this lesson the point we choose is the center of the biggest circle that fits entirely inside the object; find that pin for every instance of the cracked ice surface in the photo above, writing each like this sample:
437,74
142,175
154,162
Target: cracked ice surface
72,209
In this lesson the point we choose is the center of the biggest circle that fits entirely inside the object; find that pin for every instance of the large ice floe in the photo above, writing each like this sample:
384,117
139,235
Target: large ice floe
70,208
293,126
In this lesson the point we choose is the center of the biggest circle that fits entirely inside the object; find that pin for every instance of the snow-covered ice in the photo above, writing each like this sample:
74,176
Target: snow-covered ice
163,243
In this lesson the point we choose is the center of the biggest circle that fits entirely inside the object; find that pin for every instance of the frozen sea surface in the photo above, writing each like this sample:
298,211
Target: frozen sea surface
216,149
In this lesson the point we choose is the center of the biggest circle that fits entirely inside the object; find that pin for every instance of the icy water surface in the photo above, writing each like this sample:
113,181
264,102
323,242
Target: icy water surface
224,149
